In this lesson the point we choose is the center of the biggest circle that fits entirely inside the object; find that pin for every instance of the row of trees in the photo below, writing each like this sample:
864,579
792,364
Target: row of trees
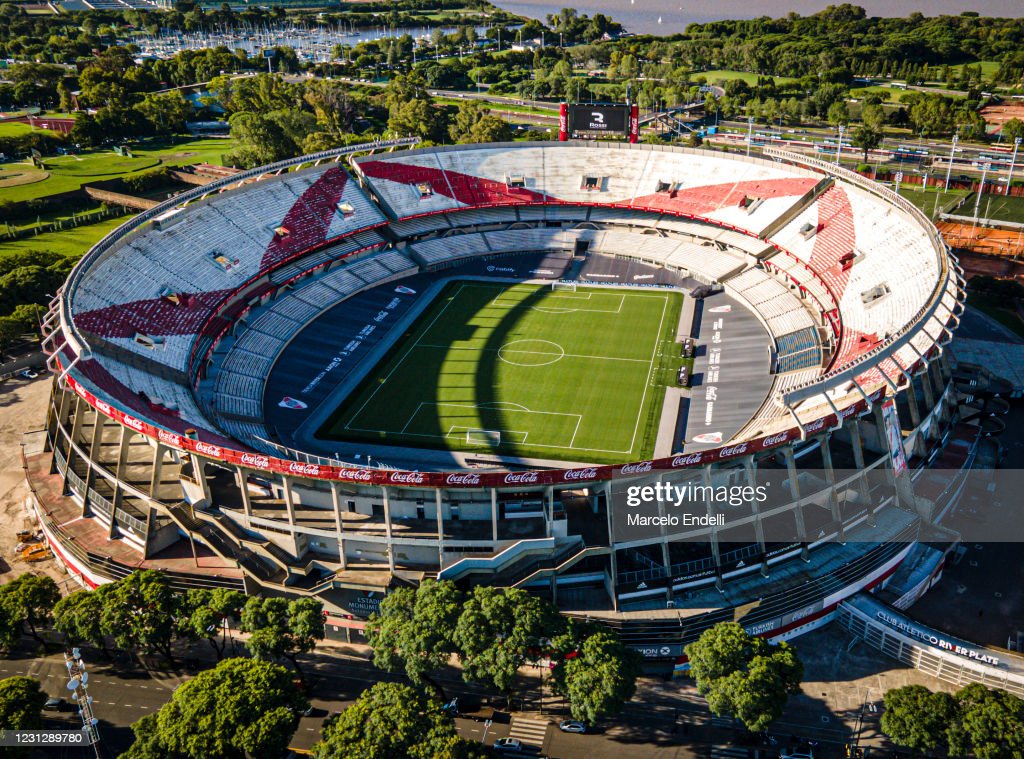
142,612
248,708
494,632
988,724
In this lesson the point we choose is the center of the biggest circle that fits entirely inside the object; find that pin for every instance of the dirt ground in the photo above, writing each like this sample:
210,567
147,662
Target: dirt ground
1000,114
993,242
22,409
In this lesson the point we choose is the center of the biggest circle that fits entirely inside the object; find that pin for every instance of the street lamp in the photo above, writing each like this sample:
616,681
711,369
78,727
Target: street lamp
839,147
750,130
981,189
1013,160
949,167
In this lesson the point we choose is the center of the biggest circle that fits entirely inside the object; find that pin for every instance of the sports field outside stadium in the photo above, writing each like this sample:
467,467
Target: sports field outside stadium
524,370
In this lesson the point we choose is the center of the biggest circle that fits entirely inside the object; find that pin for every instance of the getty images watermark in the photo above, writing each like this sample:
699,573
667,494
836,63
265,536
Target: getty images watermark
686,504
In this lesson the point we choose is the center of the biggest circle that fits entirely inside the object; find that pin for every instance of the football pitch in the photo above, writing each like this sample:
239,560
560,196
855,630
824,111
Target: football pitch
524,370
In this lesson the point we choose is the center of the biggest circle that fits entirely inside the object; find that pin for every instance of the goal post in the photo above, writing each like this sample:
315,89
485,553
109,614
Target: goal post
483,437
566,287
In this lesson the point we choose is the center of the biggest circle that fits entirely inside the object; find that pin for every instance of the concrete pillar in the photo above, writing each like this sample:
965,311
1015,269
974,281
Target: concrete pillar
339,524
156,470
81,409
936,372
666,560
857,443
716,549
915,411
199,472
440,528
549,512
794,491
243,486
750,466
289,502
612,561
830,478
494,517
387,528
926,386
123,449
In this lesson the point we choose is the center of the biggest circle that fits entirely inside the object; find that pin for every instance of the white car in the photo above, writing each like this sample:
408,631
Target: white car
572,726
508,744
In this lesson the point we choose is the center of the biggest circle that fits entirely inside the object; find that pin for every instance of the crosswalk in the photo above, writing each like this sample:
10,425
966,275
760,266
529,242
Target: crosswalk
531,732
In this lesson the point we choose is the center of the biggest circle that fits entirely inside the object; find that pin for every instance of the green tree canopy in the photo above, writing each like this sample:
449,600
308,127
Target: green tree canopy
240,708
27,602
594,670
498,630
393,720
79,616
744,675
283,629
204,612
140,610
414,629
21,703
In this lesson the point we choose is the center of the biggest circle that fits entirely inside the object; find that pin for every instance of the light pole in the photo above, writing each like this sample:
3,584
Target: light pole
1013,160
949,167
981,189
839,147
750,130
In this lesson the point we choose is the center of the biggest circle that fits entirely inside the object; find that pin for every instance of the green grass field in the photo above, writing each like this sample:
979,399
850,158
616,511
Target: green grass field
17,128
523,370
69,242
65,173
999,207
727,75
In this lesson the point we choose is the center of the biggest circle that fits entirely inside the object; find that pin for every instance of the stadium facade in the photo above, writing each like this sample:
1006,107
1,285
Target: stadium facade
198,349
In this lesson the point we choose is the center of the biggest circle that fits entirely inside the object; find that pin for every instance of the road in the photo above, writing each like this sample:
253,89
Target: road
665,719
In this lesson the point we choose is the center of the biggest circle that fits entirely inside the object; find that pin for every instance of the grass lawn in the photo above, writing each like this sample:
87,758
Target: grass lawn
70,242
933,200
68,173
727,74
523,370
17,128
998,207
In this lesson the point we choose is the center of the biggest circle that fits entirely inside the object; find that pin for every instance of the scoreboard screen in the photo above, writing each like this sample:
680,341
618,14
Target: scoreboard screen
599,118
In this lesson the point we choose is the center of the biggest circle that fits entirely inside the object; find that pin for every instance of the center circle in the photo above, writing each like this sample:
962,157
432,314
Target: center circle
531,352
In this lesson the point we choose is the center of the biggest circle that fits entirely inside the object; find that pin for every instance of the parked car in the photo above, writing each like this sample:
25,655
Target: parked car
508,744
572,726
54,704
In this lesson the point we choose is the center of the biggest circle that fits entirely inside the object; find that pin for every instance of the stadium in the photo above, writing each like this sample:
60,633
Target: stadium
358,369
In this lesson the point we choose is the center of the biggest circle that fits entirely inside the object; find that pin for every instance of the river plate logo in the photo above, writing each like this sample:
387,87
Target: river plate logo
292,403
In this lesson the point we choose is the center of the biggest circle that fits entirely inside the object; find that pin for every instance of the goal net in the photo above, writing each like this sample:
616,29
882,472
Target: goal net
483,437
568,287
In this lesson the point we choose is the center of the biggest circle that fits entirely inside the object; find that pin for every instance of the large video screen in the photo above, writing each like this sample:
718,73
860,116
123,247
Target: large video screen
598,118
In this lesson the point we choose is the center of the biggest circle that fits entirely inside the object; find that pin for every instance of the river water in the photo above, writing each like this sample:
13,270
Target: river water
672,16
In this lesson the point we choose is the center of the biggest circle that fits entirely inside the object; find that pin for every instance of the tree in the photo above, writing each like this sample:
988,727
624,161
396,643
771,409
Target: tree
991,723
866,138
838,113
204,614
240,708
474,123
283,629
392,720
414,630
917,718
1012,130
140,610
166,112
498,630
743,675
28,602
79,616
594,670
21,704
